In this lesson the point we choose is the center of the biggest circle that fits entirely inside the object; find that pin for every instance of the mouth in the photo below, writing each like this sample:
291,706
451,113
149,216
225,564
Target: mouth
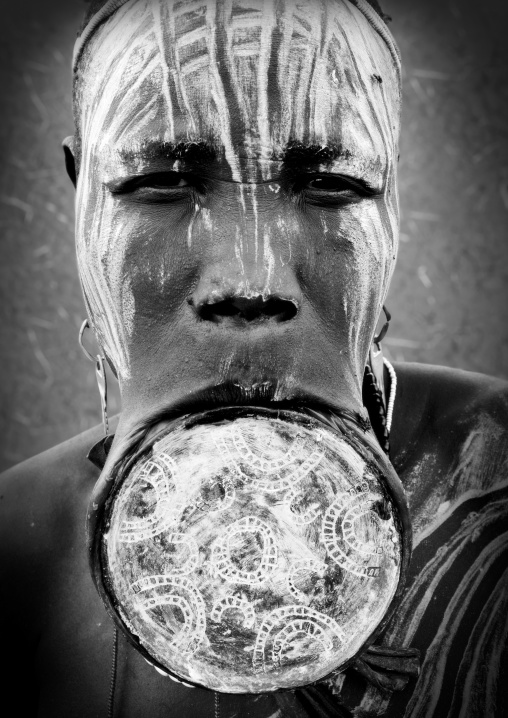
263,392
266,393
231,393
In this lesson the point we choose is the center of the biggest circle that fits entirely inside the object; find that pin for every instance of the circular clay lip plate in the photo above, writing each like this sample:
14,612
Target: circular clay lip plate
251,551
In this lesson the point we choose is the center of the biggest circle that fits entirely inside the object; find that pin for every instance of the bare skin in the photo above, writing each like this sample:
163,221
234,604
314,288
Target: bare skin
262,262
58,635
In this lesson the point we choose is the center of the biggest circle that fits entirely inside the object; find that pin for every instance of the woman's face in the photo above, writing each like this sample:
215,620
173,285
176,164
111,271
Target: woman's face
237,210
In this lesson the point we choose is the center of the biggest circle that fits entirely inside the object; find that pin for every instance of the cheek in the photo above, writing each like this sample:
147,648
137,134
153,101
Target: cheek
351,264
135,263
370,266
101,249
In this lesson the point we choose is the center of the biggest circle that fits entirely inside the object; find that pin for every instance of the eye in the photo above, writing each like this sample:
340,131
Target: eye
154,180
332,190
330,184
162,180
338,184
157,187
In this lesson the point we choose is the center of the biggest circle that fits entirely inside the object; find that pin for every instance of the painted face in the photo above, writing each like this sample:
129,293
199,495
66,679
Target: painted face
237,205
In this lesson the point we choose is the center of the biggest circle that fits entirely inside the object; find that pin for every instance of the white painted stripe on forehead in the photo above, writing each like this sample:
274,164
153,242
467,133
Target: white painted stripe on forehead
112,6
165,69
100,16
380,26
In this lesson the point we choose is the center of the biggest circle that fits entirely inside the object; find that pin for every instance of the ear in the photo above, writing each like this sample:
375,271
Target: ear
70,163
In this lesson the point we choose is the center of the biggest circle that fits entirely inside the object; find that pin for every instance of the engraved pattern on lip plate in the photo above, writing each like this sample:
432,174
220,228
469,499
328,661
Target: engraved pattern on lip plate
239,574
222,564
339,534
191,605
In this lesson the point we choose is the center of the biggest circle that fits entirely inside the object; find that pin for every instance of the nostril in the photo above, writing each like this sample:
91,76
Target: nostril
244,310
282,309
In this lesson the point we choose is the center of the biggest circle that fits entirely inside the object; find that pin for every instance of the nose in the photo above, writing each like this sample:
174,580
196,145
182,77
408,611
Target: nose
247,272
243,310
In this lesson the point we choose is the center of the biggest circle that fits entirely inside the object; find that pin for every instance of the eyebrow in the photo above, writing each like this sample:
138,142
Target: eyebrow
195,152
296,153
200,153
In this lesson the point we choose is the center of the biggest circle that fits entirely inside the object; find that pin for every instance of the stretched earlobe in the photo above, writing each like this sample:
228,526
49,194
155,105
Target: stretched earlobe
70,163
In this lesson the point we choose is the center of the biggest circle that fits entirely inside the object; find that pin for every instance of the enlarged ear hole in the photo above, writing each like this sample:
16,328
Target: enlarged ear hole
382,333
70,164
111,365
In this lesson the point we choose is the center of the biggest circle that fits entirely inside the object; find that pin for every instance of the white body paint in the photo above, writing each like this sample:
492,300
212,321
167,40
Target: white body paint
155,71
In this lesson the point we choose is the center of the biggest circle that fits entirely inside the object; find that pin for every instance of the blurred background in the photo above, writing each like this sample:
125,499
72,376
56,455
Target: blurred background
449,296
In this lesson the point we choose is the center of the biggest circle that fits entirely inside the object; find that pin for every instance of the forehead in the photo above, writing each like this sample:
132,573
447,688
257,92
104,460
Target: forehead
247,76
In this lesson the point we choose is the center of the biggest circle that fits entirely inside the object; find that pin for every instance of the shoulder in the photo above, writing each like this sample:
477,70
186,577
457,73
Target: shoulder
43,557
445,407
51,481
446,390
449,438
450,429
42,510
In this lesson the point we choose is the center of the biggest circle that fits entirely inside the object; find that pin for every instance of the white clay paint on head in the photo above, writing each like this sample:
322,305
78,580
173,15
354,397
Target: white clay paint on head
248,77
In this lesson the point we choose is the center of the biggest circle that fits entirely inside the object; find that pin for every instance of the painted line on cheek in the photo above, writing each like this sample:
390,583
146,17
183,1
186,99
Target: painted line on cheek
242,199
207,219
191,225
102,296
253,191
269,262
392,208
112,265
239,249
381,241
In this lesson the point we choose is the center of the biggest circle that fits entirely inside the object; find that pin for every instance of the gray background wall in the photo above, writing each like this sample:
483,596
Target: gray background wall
449,296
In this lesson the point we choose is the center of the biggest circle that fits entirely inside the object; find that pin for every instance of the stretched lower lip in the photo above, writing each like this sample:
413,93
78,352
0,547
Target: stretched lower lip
265,393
